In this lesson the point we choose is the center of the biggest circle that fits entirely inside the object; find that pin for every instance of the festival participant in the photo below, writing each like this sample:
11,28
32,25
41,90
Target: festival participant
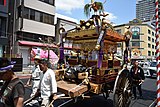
48,85
13,91
36,75
137,75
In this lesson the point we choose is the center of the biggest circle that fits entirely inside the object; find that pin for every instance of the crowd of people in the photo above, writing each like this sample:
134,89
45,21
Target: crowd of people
42,80
44,84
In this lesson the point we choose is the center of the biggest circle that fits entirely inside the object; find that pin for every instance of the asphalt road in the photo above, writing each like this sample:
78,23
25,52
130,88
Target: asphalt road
149,95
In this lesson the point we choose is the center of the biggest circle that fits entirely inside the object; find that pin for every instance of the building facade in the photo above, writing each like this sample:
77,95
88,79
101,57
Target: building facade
3,27
145,10
31,25
143,40
67,23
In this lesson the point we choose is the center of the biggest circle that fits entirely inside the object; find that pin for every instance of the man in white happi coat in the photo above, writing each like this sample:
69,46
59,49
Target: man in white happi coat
36,75
48,84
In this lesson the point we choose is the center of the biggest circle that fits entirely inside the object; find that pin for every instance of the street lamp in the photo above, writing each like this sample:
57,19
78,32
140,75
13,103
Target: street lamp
47,47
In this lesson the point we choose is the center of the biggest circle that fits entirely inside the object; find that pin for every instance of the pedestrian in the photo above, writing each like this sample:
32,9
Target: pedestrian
13,91
137,75
48,85
34,80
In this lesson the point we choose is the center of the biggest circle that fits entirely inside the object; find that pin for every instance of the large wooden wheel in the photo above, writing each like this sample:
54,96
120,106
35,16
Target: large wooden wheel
122,89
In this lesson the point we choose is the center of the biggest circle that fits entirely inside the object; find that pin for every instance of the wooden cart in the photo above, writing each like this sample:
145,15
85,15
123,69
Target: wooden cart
97,42
105,75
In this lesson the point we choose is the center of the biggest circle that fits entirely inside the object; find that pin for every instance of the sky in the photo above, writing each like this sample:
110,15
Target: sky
120,11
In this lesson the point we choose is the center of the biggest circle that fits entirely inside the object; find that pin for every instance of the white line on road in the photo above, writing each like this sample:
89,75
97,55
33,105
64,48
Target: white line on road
152,103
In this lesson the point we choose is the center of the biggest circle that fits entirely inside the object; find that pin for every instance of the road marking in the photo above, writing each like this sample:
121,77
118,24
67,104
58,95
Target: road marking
152,103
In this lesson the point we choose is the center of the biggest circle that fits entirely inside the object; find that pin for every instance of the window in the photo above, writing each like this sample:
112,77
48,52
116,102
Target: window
48,19
19,11
135,33
45,18
152,53
119,31
119,45
149,31
149,45
135,43
149,38
37,16
1,2
149,53
41,17
51,2
32,14
152,40
152,33
26,13
51,19
152,46
30,36
46,1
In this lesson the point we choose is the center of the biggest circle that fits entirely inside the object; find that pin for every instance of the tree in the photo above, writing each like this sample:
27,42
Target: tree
96,6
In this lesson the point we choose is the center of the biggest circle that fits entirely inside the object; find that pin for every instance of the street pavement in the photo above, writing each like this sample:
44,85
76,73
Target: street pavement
149,94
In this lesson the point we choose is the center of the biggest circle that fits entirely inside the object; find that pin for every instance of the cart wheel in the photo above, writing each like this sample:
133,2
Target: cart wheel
122,89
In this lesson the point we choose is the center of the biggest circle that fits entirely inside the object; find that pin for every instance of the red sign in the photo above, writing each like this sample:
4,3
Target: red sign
4,2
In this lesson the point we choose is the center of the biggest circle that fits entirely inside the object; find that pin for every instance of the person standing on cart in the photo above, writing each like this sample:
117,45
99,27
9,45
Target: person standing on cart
48,85
137,75
36,75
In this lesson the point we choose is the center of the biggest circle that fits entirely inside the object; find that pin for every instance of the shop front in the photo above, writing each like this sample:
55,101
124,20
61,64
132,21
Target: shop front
25,48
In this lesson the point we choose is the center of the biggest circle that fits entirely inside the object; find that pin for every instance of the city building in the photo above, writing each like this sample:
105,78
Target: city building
143,40
67,23
3,27
145,10
31,24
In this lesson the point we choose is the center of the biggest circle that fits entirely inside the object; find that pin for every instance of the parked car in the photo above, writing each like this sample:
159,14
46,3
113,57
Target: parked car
151,71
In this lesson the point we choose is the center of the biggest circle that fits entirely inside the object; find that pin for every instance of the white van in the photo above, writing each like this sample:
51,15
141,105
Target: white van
151,71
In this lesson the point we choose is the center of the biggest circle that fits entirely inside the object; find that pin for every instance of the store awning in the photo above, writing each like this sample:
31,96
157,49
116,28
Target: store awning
29,43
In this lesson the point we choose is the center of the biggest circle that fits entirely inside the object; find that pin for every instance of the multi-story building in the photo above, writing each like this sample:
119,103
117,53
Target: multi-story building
29,21
3,27
143,40
145,10
67,23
